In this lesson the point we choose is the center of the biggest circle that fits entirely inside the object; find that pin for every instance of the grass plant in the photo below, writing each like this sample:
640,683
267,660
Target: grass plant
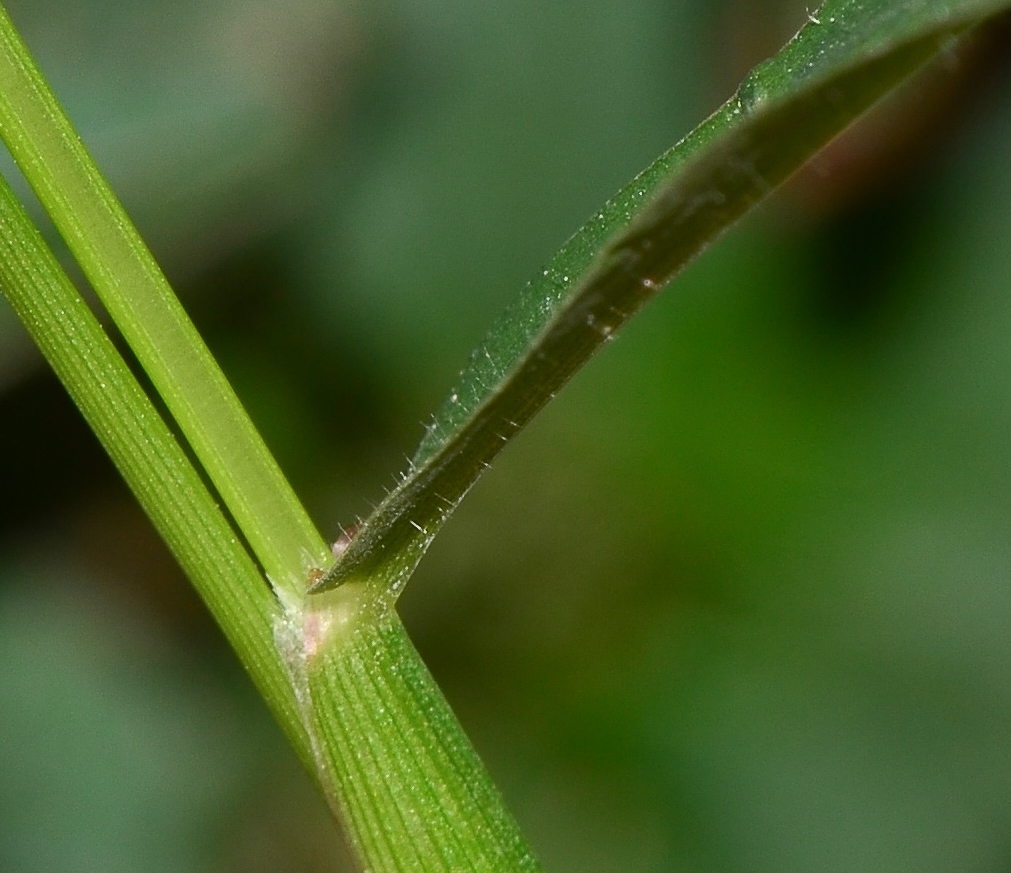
318,630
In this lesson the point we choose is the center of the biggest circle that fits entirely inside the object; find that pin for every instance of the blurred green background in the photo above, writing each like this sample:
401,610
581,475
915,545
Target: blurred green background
738,601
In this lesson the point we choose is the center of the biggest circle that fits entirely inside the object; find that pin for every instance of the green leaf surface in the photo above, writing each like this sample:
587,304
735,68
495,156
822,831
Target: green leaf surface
147,454
846,56
137,296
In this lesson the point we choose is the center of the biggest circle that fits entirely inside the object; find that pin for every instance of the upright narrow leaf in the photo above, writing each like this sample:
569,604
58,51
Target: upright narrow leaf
137,296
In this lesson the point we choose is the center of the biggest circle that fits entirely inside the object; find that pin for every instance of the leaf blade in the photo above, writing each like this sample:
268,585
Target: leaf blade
148,456
847,55
137,296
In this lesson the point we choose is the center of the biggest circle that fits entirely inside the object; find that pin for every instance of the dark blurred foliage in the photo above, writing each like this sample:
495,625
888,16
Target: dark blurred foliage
738,601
